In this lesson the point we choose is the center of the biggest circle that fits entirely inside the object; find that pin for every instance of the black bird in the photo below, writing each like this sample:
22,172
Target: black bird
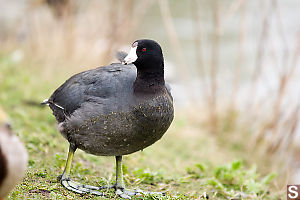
13,157
114,110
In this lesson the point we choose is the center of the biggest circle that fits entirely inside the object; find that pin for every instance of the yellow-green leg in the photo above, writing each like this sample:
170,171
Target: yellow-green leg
67,169
119,173
74,186
120,186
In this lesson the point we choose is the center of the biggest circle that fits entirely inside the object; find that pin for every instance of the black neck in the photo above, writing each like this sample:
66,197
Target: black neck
150,79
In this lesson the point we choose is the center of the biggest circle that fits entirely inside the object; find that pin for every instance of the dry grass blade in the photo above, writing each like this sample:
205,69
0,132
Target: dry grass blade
197,37
260,53
168,22
214,67
275,124
240,53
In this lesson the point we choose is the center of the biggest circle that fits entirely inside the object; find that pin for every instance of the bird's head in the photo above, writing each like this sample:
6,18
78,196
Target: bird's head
144,53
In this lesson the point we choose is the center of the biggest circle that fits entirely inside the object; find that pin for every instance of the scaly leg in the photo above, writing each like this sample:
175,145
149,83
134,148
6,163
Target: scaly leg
119,186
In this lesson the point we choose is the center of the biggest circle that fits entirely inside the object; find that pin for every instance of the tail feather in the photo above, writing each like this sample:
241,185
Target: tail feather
45,102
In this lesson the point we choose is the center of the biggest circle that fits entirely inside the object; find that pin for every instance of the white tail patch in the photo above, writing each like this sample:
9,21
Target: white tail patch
58,106
45,102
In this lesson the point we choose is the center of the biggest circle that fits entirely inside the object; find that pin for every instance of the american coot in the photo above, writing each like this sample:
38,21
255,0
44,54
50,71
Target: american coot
114,110
13,158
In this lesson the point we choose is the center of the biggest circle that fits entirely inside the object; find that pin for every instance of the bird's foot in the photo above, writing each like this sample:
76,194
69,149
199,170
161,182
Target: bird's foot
81,188
89,189
127,194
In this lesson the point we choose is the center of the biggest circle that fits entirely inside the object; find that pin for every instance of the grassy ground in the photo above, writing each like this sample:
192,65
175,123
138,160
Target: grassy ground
188,163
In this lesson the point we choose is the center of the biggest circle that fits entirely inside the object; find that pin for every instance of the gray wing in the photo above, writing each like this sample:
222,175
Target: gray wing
95,90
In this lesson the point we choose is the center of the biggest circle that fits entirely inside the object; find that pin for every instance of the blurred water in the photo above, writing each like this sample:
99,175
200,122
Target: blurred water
255,11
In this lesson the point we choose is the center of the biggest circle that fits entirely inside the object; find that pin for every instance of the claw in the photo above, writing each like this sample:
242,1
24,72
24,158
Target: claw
80,188
122,194
127,194
139,192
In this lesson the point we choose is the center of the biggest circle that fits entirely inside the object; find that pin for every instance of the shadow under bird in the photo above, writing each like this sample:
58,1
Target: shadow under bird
13,157
114,110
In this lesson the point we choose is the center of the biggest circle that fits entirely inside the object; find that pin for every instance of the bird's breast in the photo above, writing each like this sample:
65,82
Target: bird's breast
120,133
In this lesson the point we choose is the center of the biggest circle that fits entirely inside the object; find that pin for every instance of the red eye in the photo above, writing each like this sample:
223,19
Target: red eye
144,49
